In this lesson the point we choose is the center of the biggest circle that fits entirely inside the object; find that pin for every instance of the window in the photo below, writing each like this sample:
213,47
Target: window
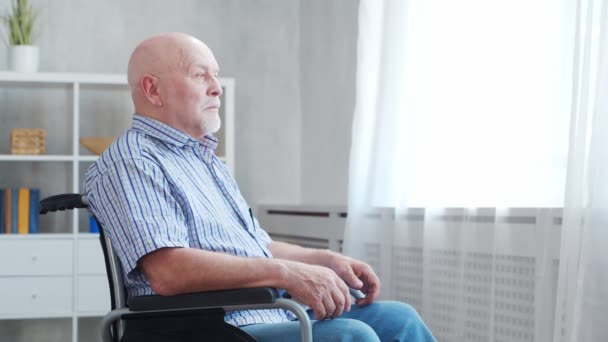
485,106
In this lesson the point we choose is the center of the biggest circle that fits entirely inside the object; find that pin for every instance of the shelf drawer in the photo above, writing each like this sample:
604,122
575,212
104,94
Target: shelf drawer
93,295
35,297
90,258
36,257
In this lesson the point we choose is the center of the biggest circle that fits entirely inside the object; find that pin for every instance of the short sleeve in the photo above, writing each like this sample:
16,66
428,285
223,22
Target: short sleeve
133,202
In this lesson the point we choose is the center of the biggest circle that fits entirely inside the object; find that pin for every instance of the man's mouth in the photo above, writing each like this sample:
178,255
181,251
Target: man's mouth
212,106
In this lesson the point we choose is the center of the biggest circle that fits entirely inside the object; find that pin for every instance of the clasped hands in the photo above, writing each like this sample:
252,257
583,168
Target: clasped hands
325,288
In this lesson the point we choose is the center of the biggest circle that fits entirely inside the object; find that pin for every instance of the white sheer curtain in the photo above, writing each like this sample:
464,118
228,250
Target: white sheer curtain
460,153
583,273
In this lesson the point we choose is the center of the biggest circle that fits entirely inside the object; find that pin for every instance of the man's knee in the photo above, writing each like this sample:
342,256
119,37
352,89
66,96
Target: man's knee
401,309
344,330
395,321
388,309
406,320
359,331
398,311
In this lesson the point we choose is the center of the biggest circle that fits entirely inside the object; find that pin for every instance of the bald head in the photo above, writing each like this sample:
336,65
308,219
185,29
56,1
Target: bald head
173,79
161,53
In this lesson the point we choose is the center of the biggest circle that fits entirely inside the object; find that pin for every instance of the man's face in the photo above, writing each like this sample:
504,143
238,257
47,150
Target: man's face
193,91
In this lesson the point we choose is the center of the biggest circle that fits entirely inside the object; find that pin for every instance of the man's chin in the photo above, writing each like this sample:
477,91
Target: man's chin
213,128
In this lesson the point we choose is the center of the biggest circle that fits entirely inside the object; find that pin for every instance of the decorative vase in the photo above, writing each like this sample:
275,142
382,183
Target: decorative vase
23,58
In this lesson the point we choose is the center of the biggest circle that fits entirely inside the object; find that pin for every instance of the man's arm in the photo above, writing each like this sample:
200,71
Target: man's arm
355,273
184,270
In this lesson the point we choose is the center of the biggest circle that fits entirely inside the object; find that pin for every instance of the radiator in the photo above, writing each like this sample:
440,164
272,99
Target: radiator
309,226
495,280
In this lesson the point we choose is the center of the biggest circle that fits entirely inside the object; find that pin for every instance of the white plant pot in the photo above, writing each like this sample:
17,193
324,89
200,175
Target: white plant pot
23,58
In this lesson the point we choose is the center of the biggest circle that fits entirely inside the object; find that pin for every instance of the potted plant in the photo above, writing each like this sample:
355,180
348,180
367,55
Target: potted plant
22,54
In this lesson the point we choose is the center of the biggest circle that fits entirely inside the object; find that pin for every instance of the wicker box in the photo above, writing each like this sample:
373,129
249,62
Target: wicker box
27,140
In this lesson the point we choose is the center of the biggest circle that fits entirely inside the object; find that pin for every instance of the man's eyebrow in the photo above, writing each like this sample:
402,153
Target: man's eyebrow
206,68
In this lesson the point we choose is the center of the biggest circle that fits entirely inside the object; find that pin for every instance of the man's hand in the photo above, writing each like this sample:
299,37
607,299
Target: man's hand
357,275
318,287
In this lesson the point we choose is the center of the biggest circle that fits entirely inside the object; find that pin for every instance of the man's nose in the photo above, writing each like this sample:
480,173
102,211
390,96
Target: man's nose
215,89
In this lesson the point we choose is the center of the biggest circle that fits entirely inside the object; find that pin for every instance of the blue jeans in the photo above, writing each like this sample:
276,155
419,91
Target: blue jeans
380,321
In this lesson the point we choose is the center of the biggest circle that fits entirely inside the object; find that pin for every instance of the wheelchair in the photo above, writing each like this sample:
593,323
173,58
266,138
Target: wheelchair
210,306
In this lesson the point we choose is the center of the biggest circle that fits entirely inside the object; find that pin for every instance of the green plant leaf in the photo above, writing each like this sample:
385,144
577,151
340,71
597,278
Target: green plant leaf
21,23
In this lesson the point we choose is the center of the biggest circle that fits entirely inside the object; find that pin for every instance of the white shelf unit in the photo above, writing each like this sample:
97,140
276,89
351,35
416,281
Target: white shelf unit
62,275
75,80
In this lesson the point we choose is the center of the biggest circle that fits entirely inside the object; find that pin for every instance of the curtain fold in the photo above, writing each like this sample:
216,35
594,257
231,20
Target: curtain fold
583,273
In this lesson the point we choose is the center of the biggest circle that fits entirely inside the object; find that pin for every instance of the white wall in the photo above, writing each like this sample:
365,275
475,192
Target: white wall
328,69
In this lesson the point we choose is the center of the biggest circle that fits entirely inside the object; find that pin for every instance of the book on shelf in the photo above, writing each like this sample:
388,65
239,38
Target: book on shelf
7,211
19,210
14,210
23,211
34,210
93,227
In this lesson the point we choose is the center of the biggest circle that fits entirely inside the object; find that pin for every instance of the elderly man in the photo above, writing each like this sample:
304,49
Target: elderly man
180,224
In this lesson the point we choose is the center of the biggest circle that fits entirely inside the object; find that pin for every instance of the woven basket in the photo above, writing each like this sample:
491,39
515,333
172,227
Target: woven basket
27,140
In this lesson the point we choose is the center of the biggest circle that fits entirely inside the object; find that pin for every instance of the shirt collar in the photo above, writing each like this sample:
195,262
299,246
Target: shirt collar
168,134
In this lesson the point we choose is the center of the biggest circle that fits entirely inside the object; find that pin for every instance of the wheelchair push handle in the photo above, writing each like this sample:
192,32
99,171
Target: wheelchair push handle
63,202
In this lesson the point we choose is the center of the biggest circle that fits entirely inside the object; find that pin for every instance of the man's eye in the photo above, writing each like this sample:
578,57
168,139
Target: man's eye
200,75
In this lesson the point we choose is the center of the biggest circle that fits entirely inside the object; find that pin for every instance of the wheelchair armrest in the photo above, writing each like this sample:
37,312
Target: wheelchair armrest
211,299
212,304
63,202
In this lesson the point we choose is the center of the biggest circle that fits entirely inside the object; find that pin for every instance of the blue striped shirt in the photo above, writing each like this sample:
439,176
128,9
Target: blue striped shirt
158,187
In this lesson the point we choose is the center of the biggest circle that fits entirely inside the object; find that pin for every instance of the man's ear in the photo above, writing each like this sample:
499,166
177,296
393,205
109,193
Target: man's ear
150,87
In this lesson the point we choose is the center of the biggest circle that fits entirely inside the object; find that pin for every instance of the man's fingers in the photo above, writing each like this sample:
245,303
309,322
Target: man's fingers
371,287
319,310
329,305
339,300
347,299
341,297
347,303
371,293
352,280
